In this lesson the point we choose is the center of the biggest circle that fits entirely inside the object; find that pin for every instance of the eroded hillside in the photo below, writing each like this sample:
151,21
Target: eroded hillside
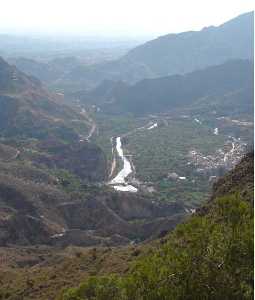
210,256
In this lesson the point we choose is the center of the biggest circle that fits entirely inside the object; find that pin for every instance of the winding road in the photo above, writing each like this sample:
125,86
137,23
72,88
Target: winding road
91,122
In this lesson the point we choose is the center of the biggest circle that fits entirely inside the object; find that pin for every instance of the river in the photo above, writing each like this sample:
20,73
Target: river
119,182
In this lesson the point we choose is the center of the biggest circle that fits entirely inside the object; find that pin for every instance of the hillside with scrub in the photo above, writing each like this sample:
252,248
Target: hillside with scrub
210,256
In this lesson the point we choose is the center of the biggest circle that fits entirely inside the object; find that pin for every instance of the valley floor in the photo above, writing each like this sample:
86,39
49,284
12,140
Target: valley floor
176,156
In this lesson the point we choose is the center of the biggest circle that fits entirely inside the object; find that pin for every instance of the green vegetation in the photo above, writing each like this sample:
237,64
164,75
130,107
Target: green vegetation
208,257
61,225
68,181
164,150
193,194
113,126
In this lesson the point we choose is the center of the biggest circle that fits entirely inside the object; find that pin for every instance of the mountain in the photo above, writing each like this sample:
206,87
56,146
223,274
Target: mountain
192,50
36,208
210,87
47,197
167,55
213,247
47,72
61,222
210,256
174,54
105,92
51,180
42,129
12,80
27,107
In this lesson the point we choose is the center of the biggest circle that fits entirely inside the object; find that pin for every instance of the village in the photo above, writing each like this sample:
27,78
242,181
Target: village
223,159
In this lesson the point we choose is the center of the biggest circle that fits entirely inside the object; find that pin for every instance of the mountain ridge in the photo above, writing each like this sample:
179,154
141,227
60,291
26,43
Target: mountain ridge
176,54
168,93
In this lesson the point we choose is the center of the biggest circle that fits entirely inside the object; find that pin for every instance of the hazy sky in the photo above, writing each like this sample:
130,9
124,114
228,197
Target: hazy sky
116,17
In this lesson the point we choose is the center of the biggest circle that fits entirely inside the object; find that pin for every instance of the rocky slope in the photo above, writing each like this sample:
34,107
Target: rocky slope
34,209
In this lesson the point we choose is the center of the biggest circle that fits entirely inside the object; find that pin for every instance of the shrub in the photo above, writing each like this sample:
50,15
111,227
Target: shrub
208,257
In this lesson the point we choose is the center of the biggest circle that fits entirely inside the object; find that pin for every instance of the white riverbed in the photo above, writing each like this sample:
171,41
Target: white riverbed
198,121
216,131
125,188
153,126
119,181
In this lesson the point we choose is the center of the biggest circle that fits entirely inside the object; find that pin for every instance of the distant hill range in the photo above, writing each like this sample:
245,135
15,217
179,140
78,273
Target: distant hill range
167,55
176,54
227,88
47,72
192,50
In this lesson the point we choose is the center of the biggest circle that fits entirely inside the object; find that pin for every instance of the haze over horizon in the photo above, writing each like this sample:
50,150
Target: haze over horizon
115,18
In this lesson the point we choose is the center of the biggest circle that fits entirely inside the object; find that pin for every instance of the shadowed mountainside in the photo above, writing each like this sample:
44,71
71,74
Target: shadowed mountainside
209,88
